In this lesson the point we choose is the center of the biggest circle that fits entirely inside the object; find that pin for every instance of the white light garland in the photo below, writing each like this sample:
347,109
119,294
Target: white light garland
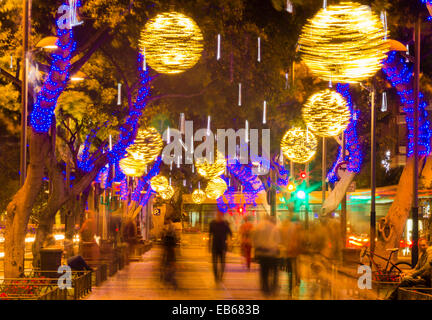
218,46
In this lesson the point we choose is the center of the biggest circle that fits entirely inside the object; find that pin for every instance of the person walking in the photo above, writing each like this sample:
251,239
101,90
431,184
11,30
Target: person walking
246,240
169,243
291,238
266,241
219,231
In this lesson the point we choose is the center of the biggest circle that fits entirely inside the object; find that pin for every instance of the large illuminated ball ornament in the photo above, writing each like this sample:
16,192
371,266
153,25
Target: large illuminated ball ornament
159,183
344,43
216,188
172,43
131,167
167,193
211,170
147,146
326,113
299,145
198,196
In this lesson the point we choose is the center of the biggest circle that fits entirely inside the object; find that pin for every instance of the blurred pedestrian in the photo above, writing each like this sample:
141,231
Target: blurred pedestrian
266,241
246,240
169,242
130,235
292,241
219,231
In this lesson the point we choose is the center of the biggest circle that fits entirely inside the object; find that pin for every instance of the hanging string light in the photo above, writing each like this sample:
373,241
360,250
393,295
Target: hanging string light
211,170
167,193
159,183
198,196
344,43
11,61
131,167
264,112
208,125
326,113
216,188
296,147
286,81
173,41
147,146
324,4
144,59
247,131
182,123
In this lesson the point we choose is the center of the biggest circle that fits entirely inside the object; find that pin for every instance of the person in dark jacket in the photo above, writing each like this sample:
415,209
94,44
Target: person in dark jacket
218,235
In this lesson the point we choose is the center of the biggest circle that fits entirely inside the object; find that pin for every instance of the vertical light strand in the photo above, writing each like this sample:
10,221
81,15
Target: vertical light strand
184,182
289,6
182,123
218,46
281,157
384,22
199,185
178,162
168,135
286,80
144,60
110,142
259,49
265,112
208,125
384,102
193,168
11,61
354,112
170,180
239,95
407,53
325,4
247,131
119,94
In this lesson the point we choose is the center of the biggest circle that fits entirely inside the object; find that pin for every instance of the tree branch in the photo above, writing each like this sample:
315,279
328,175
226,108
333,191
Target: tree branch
10,77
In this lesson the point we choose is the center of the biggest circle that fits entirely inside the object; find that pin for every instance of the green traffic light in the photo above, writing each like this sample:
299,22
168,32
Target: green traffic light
301,195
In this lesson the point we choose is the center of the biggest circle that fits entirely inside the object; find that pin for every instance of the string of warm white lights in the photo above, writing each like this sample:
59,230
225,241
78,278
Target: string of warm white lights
326,113
173,42
299,145
344,43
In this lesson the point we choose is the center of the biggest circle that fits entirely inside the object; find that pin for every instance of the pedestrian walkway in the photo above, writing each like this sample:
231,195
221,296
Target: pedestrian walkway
141,280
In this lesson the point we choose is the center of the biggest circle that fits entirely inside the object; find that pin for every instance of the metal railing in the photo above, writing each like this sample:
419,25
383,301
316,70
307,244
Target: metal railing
36,286
415,294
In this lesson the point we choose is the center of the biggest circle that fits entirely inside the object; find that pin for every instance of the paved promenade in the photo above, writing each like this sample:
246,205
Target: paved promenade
141,281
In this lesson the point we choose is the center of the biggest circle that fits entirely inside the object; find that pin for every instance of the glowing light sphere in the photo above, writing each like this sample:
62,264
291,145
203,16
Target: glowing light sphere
147,146
216,188
167,193
211,170
131,167
172,42
159,183
344,43
326,113
299,145
198,196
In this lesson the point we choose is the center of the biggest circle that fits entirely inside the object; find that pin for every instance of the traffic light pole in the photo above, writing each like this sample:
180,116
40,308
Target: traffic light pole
344,201
373,172
324,160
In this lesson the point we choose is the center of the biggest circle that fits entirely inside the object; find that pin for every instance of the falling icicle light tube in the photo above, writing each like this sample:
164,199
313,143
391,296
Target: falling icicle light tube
344,43
265,112
259,49
119,94
239,95
384,102
218,47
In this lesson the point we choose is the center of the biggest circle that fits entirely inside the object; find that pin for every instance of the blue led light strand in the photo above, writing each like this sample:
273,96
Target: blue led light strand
400,75
354,155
